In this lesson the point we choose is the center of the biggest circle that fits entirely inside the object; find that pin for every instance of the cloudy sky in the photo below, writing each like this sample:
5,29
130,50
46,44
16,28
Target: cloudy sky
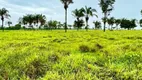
53,9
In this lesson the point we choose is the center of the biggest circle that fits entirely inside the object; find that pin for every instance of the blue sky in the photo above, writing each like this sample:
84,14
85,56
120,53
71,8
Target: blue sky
53,9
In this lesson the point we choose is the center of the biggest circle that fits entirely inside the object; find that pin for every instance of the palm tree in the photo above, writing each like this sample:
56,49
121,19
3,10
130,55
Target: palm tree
4,14
88,11
111,22
78,14
117,22
9,23
107,7
42,20
78,24
97,24
140,22
66,4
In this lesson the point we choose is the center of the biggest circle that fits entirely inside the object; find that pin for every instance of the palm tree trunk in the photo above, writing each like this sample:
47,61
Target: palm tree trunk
105,22
87,25
2,25
65,19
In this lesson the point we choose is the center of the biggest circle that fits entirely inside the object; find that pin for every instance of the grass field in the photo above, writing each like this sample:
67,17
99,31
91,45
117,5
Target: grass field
75,55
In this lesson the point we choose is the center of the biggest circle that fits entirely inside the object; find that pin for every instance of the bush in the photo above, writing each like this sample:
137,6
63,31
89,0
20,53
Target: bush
84,48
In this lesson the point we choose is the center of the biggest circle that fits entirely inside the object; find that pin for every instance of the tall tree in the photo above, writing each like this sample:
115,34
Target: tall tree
88,12
66,4
4,13
106,7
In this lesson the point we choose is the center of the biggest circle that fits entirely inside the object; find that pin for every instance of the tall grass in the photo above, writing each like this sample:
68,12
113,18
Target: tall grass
76,55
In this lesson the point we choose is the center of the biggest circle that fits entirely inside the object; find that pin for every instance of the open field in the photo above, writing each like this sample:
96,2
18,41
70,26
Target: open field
75,55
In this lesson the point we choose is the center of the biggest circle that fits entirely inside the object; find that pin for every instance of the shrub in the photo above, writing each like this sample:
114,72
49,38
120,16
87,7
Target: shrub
84,48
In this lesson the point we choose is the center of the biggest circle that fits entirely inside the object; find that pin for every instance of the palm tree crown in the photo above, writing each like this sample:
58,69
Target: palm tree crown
88,11
4,13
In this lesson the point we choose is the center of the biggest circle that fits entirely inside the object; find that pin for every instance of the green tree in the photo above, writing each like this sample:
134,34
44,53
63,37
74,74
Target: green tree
78,24
52,24
29,18
42,19
4,13
111,22
128,24
33,19
78,14
9,23
140,22
117,22
97,25
88,12
106,7
66,4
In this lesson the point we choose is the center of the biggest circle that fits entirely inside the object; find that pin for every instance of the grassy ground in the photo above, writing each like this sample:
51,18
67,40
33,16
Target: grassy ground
56,55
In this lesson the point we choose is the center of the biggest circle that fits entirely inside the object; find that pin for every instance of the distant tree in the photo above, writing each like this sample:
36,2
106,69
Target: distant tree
111,22
88,11
4,13
52,24
9,23
70,26
66,4
33,19
59,25
78,23
42,20
140,22
128,24
97,24
117,22
107,7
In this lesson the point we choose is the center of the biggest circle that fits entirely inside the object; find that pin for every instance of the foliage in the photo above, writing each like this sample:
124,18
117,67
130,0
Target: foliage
106,7
33,19
97,25
66,5
111,22
129,24
78,24
4,13
88,11
140,22
74,55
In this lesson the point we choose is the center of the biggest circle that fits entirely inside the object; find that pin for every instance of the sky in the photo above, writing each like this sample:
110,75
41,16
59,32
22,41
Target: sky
54,10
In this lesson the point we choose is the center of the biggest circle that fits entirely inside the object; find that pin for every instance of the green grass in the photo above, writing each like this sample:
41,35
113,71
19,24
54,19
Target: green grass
56,55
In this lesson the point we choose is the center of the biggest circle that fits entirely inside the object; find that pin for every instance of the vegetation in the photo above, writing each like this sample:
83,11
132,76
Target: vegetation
128,24
107,7
37,49
55,55
88,11
79,21
3,14
97,25
31,19
66,4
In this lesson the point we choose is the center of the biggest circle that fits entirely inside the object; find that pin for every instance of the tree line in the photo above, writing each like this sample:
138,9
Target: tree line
82,16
